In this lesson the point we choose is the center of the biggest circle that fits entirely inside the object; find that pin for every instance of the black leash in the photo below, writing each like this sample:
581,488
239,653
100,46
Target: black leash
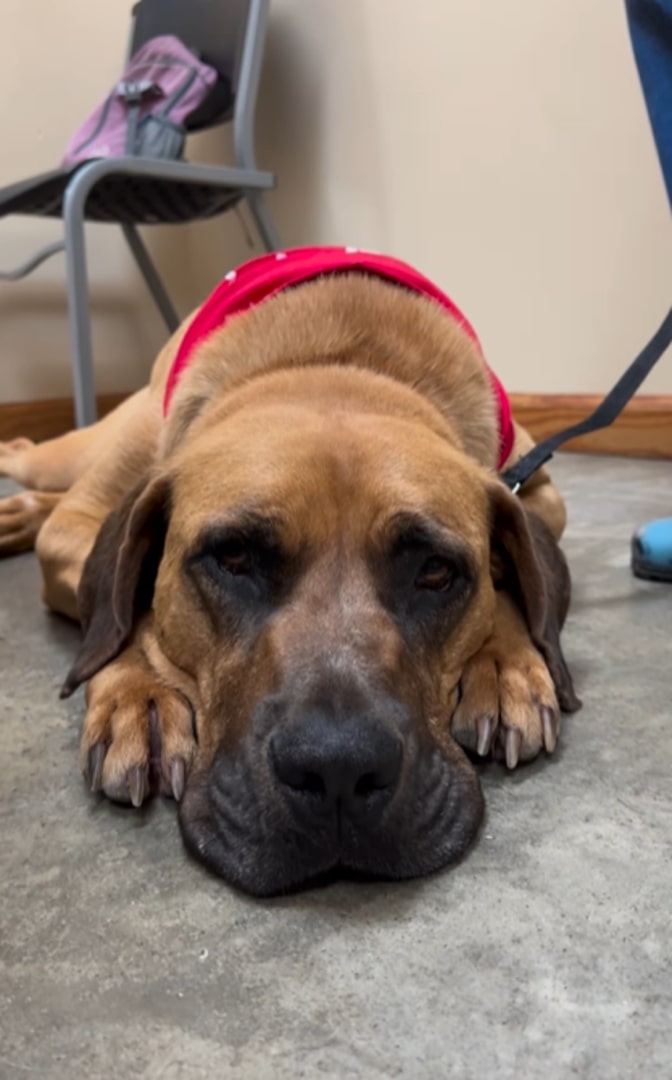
605,413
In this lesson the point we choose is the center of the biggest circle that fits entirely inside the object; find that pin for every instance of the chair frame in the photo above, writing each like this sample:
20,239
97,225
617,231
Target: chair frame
243,175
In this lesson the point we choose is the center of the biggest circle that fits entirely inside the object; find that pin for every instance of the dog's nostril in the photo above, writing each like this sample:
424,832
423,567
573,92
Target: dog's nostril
367,784
311,783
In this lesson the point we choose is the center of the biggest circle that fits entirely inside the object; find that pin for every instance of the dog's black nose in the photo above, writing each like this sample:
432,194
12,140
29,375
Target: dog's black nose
325,764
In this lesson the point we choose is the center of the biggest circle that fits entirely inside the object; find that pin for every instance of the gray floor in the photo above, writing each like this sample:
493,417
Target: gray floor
546,953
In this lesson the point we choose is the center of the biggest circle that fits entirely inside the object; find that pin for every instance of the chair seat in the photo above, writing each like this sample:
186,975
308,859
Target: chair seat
126,200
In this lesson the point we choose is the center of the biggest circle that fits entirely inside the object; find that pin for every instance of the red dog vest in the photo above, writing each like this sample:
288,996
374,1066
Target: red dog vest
261,278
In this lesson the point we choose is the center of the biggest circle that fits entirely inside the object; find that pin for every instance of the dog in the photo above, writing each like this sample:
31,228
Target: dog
307,599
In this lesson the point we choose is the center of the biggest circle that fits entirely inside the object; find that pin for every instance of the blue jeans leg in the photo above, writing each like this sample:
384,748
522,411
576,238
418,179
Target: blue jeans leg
650,23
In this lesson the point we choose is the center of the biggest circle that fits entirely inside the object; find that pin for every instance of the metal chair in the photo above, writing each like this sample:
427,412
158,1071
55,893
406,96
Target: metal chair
132,191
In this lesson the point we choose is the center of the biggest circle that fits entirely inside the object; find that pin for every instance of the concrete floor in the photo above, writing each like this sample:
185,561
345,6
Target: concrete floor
546,953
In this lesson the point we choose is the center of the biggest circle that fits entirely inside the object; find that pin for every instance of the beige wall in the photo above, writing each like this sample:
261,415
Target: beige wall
502,148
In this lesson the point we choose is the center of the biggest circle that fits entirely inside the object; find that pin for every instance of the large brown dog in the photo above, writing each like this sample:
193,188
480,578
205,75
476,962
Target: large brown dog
305,591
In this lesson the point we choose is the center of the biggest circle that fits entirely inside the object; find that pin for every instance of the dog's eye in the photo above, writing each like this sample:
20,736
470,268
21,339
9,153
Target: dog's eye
436,574
234,557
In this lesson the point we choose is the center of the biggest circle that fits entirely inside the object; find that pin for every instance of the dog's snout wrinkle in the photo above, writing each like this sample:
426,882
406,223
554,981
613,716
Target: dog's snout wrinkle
325,766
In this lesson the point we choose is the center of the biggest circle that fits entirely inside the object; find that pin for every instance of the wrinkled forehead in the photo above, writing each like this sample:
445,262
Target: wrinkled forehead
321,475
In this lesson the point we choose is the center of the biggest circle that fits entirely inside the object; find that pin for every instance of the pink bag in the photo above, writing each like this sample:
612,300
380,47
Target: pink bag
144,115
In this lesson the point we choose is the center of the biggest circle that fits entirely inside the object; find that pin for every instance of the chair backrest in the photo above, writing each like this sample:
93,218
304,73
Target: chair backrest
228,34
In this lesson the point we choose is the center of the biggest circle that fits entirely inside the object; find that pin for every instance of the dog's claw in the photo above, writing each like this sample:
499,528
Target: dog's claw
94,768
513,744
177,778
137,783
485,730
550,725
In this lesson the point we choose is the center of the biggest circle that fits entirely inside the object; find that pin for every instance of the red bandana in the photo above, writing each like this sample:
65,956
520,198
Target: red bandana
259,279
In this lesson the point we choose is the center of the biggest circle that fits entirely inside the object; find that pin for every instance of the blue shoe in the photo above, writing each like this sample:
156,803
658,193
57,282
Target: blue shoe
652,551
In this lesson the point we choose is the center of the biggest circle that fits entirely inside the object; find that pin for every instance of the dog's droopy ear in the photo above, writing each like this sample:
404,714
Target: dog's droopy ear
528,561
118,577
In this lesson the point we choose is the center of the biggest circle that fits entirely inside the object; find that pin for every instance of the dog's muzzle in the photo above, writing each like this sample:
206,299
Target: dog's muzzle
306,794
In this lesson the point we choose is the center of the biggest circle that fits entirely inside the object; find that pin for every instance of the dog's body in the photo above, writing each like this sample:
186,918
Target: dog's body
304,586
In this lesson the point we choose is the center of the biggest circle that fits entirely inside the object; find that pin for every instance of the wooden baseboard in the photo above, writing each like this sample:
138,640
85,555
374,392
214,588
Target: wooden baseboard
39,420
644,429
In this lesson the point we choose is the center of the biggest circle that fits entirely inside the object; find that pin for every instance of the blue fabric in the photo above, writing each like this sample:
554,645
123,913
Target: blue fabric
651,551
655,543
650,23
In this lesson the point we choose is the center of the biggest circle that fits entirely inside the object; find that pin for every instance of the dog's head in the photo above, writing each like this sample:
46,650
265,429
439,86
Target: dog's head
320,573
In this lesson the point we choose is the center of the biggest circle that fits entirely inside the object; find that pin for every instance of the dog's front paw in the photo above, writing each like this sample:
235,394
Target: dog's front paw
138,737
507,706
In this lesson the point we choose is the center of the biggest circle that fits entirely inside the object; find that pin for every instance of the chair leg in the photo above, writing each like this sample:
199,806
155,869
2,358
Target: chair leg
263,220
151,276
80,317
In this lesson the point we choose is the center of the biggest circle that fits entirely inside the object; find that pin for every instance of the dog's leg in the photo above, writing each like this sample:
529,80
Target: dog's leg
55,465
46,470
50,468
512,689
138,736
52,465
